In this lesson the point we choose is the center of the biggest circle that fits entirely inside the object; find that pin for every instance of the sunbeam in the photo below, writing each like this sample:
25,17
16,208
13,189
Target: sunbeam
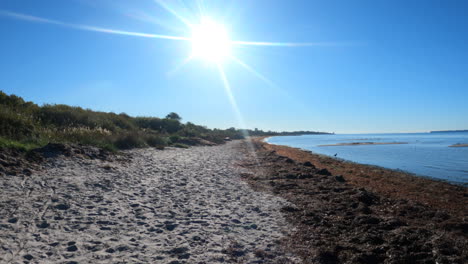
235,107
201,7
88,28
270,83
173,12
128,33
290,44
180,66
151,19
232,100
254,72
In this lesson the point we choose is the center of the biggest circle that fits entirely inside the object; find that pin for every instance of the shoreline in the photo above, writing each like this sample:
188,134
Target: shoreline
345,212
362,144
408,173
436,193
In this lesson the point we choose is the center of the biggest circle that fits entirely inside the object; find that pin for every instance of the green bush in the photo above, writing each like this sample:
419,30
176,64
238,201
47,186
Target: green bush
155,141
174,139
24,146
128,141
170,125
15,126
149,123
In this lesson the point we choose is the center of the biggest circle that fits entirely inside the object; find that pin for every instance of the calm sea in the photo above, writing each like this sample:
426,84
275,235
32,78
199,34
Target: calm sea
426,154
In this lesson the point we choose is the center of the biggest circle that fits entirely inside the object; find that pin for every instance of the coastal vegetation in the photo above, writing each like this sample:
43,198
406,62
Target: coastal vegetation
26,125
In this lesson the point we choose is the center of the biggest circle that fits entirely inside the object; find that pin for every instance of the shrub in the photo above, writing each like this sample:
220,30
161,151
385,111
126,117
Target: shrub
128,141
11,101
15,126
174,139
155,141
170,125
149,123
24,146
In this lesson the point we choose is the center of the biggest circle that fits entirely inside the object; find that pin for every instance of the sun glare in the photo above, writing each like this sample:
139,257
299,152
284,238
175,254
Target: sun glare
210,41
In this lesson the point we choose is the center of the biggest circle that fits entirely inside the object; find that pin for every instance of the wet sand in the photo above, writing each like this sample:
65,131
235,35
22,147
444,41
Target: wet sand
151,206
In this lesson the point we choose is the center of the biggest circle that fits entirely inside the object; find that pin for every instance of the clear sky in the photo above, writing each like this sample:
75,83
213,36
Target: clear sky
381,66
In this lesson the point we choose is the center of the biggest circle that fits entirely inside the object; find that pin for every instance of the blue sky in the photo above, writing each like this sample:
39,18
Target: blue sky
389,66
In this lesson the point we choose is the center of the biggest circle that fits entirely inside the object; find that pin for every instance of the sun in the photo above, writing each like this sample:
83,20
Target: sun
210,41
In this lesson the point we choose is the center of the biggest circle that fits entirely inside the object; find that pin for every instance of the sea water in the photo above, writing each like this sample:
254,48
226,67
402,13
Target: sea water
425,154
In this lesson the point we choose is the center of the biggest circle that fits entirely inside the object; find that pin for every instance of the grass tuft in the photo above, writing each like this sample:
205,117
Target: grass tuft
180,145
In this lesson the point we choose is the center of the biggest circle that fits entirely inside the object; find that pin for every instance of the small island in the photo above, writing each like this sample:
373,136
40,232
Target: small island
450,131
459,145
363,143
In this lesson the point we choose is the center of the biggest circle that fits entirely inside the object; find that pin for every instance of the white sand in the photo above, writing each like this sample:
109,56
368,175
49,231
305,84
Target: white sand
171,206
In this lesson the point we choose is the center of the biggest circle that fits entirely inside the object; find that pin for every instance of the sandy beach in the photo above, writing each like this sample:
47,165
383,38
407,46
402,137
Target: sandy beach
223,204
149,206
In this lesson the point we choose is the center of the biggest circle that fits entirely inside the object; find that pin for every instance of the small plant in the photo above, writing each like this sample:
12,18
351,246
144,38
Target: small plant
132,140
180,145
23,146
155,141
174,139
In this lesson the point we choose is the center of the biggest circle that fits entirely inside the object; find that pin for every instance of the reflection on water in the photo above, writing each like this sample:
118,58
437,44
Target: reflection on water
426,154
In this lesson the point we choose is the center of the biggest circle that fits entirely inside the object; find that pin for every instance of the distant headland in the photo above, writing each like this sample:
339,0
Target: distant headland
298,133
448,131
